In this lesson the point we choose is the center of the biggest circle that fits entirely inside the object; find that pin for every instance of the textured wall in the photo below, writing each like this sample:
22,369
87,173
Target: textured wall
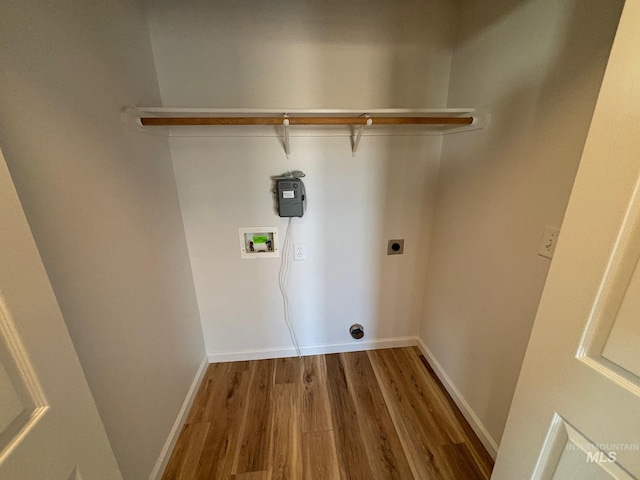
102,204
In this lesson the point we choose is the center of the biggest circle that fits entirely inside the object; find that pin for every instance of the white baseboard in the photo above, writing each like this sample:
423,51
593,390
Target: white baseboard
477,426
262,354
161,463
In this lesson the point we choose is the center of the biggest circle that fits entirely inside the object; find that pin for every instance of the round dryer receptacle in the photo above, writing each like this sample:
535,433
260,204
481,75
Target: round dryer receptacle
357,331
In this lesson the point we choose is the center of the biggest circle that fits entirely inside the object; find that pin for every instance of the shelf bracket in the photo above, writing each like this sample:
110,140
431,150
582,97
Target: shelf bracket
356,142
481,119
287,147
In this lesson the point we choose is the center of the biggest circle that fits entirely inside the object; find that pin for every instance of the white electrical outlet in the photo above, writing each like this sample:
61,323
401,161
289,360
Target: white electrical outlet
298,251
549,240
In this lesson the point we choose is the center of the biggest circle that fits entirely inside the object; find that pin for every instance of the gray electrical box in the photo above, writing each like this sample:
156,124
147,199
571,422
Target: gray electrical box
291,196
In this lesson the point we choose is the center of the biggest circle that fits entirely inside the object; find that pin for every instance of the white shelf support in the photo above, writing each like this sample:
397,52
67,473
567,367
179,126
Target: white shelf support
481,119
356,142
287,146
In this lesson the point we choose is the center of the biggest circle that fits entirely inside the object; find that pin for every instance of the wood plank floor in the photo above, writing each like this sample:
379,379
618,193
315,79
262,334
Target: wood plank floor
352,416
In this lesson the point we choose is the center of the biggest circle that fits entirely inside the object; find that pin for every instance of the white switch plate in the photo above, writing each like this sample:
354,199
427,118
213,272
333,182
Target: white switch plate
549,241
298,251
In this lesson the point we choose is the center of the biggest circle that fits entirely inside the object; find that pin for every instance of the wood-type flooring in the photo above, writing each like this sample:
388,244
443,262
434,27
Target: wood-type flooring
381,414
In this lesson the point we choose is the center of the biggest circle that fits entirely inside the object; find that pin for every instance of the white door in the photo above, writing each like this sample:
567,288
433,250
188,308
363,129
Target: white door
576,410
49,424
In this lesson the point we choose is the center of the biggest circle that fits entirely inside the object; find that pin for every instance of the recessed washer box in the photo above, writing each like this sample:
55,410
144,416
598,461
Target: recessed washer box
259,242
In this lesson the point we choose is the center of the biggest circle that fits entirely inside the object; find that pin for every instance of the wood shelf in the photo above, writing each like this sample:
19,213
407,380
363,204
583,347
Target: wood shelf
241,121
176,121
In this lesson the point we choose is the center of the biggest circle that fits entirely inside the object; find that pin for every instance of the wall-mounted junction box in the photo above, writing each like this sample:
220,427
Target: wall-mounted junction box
291,196
259,242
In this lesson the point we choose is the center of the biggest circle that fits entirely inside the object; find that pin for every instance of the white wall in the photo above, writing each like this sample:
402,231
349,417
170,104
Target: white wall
354,207
102,204
286,54
537,65
312,54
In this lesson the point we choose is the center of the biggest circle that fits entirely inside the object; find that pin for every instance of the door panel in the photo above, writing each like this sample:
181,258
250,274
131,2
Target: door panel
612,335
576,409
623,343
21,395
49,424
567,454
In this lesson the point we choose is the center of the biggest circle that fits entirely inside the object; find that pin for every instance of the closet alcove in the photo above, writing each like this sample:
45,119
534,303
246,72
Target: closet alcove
136,217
